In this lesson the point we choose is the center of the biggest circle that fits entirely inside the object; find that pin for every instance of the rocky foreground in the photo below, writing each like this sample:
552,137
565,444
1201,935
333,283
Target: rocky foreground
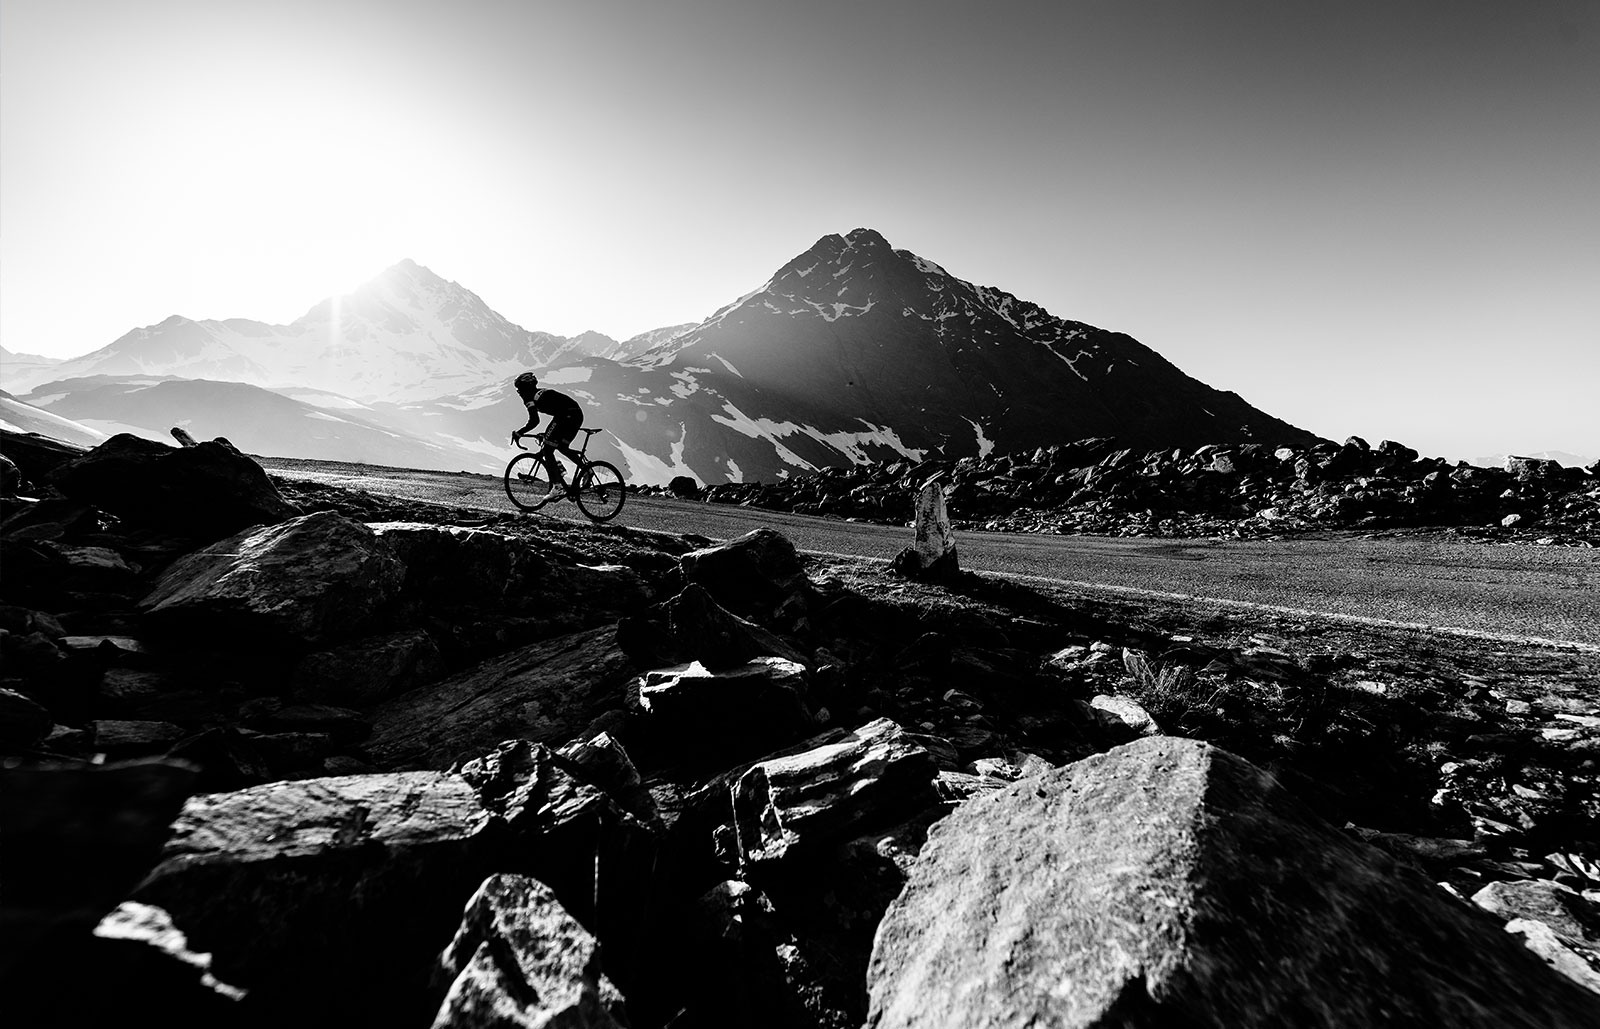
277,752
1250,490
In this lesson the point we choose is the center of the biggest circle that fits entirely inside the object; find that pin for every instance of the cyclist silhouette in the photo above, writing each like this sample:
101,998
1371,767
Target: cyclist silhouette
565,418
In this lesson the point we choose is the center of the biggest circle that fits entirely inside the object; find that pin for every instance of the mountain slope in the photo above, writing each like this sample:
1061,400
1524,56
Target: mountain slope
256,420
855,351
20,416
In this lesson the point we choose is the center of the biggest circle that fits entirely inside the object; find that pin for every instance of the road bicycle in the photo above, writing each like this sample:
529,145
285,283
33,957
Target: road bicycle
596,485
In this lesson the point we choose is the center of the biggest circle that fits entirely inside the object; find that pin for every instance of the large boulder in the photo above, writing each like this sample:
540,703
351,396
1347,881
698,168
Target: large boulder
209,490
328,897
546,691
313,580
1170,883
520,960
752,575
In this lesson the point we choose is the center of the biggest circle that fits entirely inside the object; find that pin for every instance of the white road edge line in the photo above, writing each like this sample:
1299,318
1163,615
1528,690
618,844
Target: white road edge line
1387,623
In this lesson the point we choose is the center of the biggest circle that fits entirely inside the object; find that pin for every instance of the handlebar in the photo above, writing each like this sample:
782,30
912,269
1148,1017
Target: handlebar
540,437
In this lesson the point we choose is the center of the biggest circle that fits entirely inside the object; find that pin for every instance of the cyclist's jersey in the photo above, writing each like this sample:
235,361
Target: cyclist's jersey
559,406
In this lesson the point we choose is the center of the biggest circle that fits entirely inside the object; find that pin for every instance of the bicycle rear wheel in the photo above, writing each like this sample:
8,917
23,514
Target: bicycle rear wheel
600,491
528,483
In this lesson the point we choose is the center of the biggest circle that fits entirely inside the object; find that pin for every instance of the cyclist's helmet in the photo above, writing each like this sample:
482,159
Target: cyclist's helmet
526,383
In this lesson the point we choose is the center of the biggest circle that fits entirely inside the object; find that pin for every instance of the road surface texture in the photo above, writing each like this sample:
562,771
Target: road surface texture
1544,594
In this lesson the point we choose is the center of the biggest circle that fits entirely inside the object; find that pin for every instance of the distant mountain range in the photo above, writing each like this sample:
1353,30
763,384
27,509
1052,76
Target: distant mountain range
852,352
405,335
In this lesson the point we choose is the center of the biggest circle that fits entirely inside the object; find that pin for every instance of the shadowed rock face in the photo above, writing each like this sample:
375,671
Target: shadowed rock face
313,580
1168,882
208,490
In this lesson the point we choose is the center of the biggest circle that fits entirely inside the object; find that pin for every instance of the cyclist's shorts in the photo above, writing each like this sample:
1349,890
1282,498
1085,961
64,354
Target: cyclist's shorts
562,429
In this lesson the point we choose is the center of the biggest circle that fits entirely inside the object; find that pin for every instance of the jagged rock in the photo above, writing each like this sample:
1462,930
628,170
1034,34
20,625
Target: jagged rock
135,968
77,840
327,897
546,691
933,555
716,637
601,760
572,836
368,670
1555,922
751,575
10,477
1169,882
730,711
876,773
1580,964
1563,909
313,580
208,490
1122,716
520,960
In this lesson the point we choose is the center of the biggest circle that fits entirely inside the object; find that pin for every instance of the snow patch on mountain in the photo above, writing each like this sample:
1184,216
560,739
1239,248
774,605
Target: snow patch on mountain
767,429
647,469
851,443
985,444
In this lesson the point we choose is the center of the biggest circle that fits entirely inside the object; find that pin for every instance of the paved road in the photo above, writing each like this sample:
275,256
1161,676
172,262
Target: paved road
1547,593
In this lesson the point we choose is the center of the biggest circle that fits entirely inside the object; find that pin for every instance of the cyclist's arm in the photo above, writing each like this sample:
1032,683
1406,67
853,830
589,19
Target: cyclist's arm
533,422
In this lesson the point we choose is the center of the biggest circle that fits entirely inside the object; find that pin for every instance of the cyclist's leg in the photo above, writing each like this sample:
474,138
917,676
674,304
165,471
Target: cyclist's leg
560,437
547,456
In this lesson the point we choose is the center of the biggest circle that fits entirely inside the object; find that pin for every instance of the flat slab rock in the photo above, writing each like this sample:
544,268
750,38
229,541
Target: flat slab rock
546,691
1167,882
326,889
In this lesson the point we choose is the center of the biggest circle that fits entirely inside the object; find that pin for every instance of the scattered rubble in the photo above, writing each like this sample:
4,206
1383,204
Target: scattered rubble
369,761
1235,490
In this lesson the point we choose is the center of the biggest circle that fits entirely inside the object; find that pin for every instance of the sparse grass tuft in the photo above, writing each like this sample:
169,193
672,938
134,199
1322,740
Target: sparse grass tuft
1170,691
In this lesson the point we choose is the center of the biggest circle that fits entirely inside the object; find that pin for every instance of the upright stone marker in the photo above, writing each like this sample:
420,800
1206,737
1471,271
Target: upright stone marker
933,555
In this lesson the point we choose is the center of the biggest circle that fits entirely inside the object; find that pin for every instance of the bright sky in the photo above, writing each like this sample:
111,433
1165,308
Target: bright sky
1376,217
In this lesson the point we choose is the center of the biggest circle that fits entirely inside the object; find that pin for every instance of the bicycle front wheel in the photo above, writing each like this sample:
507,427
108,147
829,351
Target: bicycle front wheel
601,492
528,483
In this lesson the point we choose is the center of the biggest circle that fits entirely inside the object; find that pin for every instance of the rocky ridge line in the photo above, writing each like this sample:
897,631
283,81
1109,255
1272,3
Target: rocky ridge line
1242,490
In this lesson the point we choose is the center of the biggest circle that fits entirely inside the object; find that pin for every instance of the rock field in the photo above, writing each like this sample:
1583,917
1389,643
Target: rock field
278,752
1249,490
